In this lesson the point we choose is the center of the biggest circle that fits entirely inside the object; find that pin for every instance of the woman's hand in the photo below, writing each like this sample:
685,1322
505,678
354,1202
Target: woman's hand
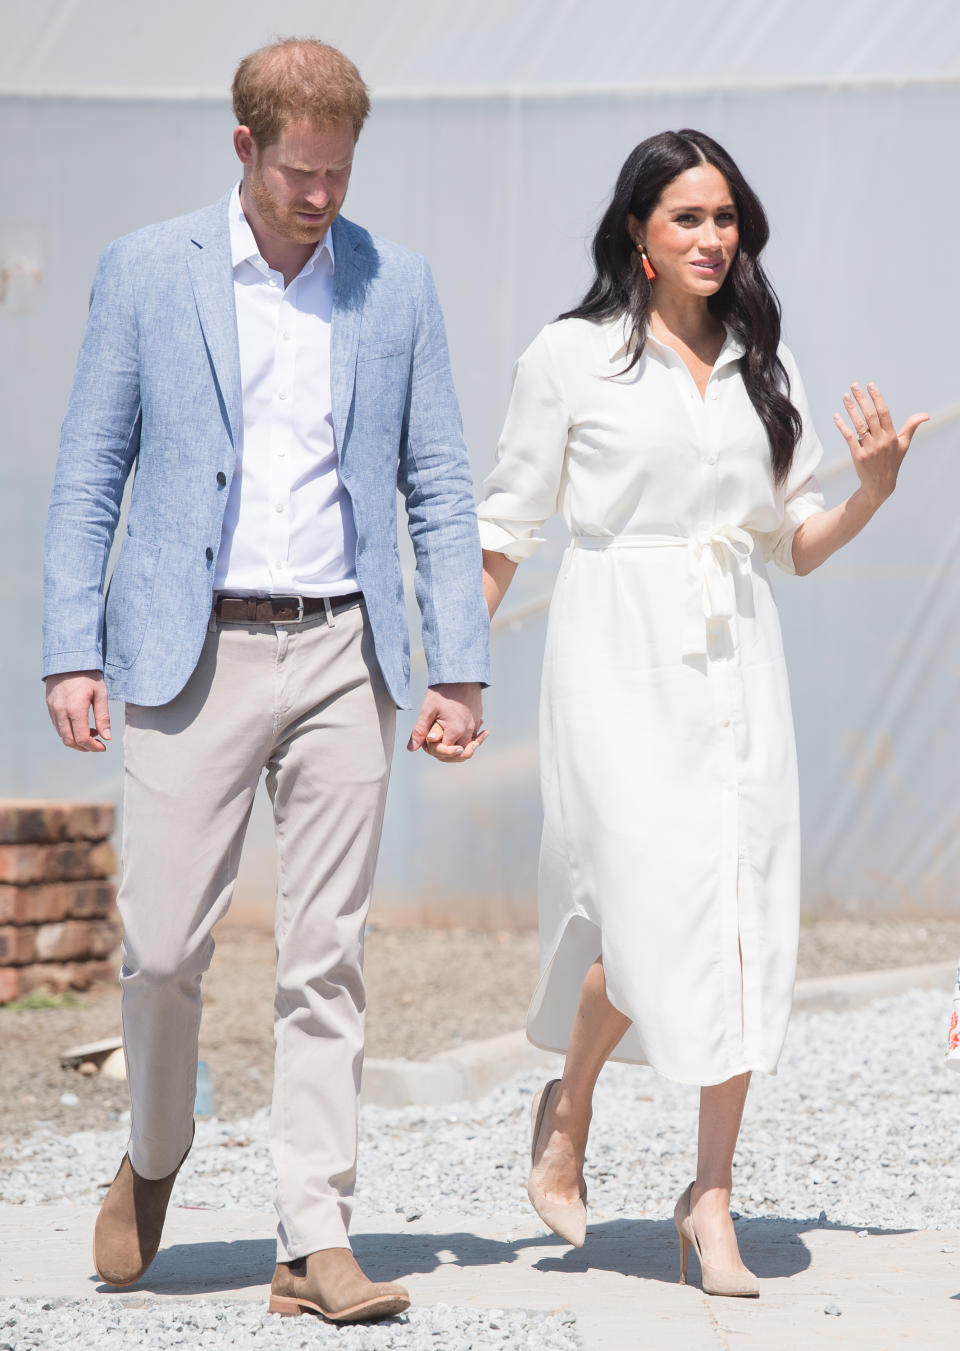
877,448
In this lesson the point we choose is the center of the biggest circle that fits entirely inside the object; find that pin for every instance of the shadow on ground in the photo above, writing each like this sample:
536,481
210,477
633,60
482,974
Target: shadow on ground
644,1249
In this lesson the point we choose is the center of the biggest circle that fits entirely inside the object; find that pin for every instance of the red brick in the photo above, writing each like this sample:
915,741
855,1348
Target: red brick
92,900
30,821
73,938
17,945
33,904
21,863
11,983
55,976
70,939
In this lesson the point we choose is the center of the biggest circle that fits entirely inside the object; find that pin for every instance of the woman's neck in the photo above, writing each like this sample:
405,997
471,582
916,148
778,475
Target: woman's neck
682,317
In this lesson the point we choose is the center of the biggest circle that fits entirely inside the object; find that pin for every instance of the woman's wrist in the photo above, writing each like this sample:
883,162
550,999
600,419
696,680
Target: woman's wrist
867,502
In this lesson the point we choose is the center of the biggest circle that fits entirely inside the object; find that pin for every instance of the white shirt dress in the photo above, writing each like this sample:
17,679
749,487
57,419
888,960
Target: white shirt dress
668,765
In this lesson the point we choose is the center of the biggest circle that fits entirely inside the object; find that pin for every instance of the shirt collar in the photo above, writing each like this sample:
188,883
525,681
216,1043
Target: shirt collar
244,248
619,334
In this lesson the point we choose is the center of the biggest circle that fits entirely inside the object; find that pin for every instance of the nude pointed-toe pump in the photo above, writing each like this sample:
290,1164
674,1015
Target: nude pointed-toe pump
714,1281
568,1219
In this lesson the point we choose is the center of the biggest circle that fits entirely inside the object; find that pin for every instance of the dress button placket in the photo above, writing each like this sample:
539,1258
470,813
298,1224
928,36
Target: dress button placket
708,451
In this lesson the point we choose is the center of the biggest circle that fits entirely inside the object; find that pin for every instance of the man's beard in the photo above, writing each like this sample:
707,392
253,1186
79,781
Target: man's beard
283,220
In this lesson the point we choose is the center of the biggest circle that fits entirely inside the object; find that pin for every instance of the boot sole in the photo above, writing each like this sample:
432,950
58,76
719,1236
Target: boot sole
386,1306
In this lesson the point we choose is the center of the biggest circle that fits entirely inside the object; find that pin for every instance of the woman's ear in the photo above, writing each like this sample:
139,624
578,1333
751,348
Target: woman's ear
634,229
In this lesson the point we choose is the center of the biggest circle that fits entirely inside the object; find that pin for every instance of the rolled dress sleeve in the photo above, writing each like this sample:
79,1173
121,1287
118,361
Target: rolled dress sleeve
802,497
523,488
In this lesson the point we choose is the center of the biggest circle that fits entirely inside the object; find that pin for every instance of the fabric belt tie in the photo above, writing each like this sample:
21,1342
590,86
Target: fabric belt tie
716,552
280,609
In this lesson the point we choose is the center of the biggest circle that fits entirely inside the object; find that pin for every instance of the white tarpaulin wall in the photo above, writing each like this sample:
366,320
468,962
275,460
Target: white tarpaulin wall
496,135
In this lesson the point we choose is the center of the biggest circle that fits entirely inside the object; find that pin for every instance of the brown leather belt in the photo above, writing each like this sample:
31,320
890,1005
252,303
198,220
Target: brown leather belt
280,609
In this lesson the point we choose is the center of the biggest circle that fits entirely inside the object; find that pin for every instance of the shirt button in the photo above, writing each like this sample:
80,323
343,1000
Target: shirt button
282,394
711,459
280,451
222,479
285,336
279,507
725,723
209,555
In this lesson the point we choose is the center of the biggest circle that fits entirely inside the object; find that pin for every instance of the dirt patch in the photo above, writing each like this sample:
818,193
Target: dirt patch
428,990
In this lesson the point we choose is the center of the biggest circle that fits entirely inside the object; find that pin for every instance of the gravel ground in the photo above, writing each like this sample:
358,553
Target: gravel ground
859,1129
428,990
861,1123
117,1324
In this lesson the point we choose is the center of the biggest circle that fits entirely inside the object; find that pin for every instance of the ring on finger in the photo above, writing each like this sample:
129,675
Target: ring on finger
861,433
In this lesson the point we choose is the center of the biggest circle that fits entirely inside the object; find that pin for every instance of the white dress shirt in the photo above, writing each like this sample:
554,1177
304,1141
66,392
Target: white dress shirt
288,527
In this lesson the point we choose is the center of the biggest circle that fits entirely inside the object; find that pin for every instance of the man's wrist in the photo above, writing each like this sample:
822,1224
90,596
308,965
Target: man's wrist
91,674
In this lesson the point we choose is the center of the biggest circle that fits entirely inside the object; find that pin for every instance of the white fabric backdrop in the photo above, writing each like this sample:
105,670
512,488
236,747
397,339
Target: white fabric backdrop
496,135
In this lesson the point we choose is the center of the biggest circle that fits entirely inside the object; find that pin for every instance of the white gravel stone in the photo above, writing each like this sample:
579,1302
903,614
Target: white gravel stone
859,1129
122,1322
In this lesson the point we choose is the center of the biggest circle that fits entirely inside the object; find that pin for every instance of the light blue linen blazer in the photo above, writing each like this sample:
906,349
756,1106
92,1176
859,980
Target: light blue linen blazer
157,392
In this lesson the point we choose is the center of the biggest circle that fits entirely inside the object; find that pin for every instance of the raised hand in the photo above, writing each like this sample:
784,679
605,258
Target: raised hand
876,447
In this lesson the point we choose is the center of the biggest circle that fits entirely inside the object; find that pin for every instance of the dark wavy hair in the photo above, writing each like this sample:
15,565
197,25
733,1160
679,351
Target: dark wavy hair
746,302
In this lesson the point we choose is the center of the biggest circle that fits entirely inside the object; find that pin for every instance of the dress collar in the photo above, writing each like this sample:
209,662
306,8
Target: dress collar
620,343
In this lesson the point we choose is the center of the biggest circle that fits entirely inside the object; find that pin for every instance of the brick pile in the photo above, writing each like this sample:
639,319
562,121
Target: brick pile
58,924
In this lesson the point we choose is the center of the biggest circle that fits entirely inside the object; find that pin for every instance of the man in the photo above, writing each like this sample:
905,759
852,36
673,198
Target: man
272,373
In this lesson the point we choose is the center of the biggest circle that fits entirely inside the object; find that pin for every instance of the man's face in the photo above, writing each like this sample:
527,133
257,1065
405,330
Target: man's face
297,184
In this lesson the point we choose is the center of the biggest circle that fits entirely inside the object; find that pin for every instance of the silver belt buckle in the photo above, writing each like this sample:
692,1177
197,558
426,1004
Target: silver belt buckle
299,618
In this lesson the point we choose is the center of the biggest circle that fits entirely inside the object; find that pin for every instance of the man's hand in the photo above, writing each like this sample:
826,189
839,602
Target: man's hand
70,697
448,727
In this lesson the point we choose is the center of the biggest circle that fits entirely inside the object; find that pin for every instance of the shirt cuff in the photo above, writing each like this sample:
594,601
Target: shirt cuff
778,544
67,663
498,539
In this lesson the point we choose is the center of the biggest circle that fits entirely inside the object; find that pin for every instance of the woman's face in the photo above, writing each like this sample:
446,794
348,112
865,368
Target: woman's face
692,234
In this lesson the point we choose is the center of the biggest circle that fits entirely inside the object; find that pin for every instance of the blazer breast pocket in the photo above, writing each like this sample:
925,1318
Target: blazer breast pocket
384,347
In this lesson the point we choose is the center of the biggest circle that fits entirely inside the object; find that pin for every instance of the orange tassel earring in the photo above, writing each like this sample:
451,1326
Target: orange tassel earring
647,265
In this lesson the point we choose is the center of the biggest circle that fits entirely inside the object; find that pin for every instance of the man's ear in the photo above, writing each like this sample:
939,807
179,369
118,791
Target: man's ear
244,145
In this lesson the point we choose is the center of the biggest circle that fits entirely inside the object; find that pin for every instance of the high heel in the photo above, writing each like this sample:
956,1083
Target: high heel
568,1219
714,1281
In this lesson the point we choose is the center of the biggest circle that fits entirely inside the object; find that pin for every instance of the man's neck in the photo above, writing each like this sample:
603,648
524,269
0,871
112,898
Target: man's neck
283,255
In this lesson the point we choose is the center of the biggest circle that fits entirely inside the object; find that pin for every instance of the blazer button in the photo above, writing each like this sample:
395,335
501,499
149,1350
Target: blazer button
209,555
222,479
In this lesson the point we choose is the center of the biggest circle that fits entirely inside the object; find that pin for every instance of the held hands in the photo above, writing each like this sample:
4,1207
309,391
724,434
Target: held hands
70,698
877,448
448,727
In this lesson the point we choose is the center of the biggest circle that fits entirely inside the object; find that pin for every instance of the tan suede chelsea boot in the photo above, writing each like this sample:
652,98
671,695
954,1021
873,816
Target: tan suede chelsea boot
130,1223
330,1283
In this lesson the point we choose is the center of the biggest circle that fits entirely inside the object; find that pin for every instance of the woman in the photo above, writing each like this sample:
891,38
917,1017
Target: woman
668,424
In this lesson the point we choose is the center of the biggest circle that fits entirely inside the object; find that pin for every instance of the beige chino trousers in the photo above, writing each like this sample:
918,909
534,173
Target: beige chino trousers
307,704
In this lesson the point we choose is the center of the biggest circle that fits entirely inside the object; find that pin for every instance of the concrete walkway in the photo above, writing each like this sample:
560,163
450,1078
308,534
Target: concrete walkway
893,1289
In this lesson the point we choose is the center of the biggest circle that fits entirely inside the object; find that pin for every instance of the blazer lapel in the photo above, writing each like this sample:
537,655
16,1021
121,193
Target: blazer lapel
351,269
211,275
